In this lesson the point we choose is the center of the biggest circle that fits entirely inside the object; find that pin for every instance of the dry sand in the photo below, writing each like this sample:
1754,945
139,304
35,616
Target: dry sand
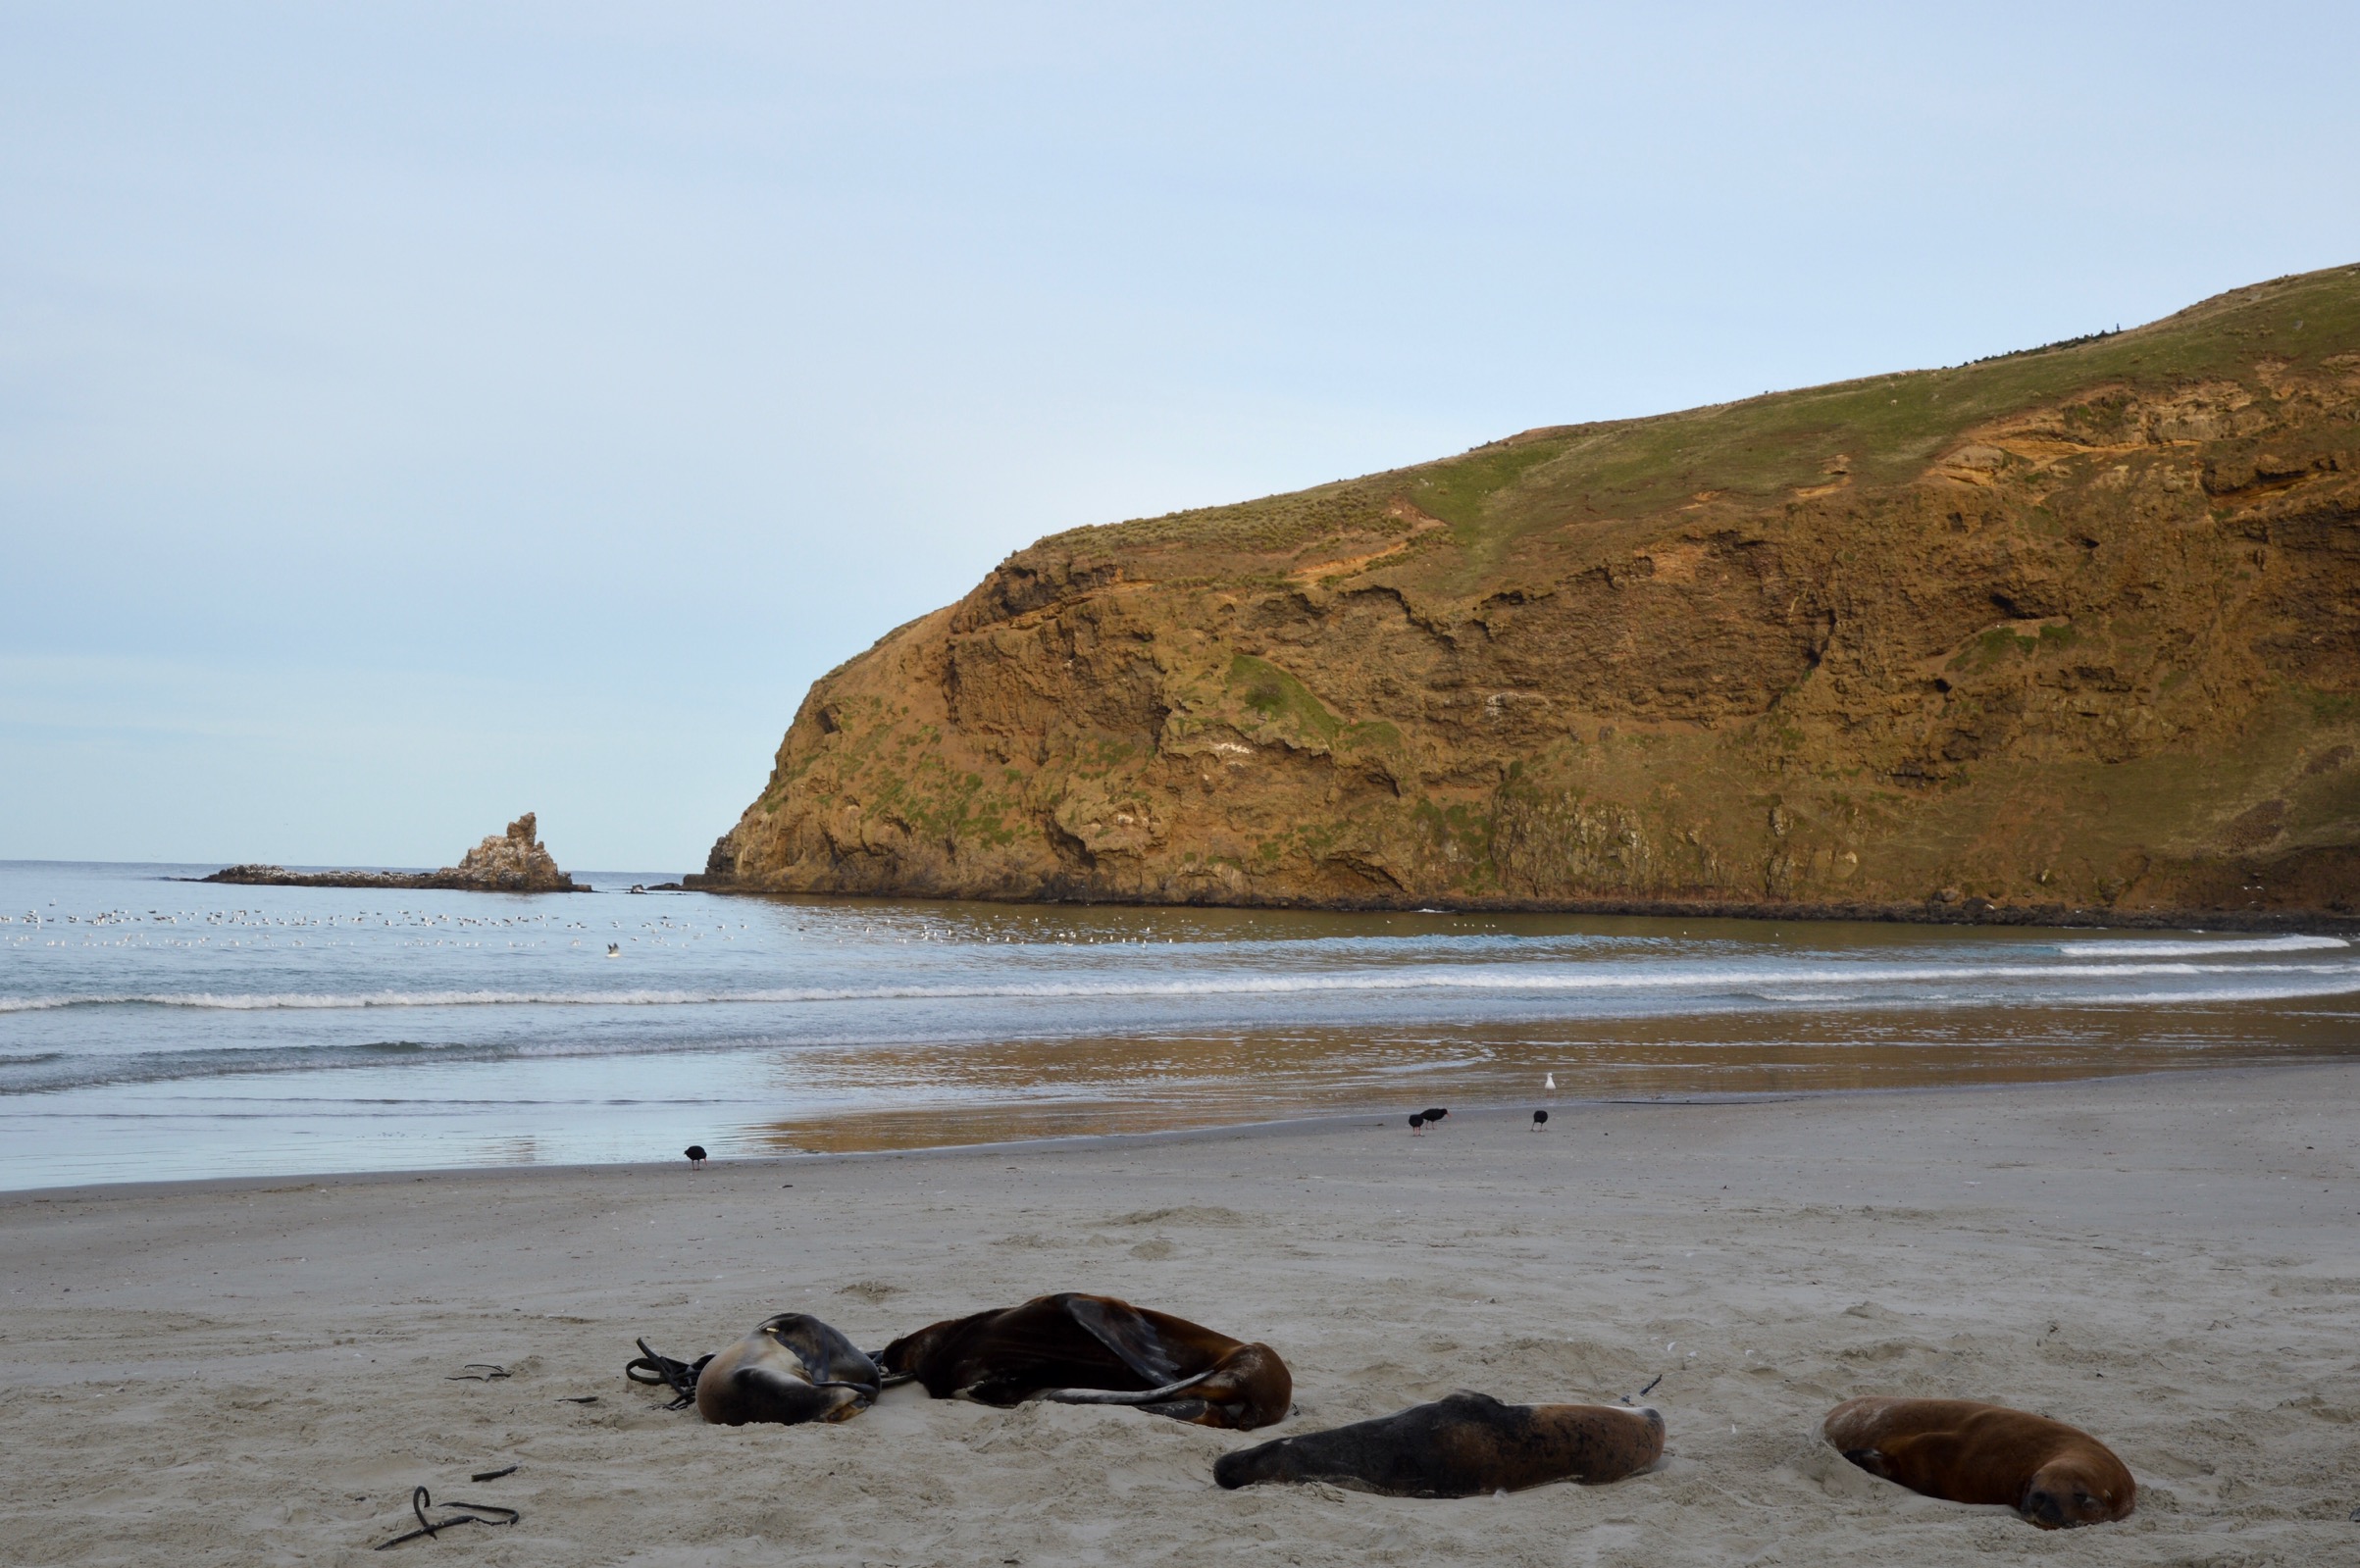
237,1373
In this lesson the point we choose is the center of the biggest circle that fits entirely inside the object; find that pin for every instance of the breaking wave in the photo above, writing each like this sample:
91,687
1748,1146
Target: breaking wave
2317,979
2162,947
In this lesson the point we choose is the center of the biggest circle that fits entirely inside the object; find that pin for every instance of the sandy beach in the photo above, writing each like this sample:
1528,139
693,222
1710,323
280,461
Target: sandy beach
260,1370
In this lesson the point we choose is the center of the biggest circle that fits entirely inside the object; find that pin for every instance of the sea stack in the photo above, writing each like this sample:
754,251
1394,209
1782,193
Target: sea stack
510,862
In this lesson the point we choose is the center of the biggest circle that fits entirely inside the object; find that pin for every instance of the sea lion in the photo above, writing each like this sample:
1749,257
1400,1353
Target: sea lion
1963,1450
1094,1349
791,1369
1461,1446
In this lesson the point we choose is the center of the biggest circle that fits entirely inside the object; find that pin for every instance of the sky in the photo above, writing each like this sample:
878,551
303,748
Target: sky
415,414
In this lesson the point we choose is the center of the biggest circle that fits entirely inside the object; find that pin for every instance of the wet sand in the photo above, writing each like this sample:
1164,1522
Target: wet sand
258,1371
904,1097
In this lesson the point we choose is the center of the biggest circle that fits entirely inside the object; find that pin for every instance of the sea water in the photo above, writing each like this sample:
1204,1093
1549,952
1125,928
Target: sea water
152,1027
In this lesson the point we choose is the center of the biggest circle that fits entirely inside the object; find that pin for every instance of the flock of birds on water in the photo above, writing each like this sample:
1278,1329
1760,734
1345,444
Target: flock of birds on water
254,927
266,925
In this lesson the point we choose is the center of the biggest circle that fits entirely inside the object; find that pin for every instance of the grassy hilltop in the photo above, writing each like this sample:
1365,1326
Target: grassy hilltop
2072,629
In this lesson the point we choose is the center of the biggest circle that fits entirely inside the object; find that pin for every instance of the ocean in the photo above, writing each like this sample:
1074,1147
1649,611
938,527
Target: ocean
153,1027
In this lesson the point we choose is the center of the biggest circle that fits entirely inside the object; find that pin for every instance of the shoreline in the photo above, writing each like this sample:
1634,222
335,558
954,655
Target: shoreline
259,1370
1931,912
1076,1143
1116,1142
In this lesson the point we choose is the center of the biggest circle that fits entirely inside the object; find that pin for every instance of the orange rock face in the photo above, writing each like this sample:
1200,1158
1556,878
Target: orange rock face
2072,630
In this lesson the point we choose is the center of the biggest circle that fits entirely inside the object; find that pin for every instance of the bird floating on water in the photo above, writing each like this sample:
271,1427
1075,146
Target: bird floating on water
614,949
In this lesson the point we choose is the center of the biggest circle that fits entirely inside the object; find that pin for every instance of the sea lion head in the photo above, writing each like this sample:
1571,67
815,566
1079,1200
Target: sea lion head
1243,1467
902,1357
2078,1489
1249,1388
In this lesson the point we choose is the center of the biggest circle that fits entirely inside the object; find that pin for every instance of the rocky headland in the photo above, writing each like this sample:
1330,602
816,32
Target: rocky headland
513,862
2067,633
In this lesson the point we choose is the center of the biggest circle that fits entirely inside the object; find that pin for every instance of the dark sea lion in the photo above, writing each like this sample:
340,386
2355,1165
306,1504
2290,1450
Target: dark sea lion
1963,1450
1461,1446
791,1369
1094,1349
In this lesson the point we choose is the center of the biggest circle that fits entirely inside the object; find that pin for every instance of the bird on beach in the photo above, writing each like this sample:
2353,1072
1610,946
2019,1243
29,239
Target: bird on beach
1435,1113
1418,1126
1549,1080
1540,1119
695,1153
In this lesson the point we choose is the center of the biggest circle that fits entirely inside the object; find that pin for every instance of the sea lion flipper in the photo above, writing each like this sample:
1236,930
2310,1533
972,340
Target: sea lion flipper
764,1394
1139,1396
1127,1334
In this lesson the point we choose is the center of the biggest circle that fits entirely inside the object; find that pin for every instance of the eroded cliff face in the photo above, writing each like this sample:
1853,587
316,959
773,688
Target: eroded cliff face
2078,628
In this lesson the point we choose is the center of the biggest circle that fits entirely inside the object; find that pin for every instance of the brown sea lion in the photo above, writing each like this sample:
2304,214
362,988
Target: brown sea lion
1461,1446
791,1369
1963,1450
1094,1349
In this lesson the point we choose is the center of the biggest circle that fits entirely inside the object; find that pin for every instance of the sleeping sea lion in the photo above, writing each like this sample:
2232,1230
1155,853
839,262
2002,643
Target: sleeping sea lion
1962,1451
791,1370
1461,1446
1094,1349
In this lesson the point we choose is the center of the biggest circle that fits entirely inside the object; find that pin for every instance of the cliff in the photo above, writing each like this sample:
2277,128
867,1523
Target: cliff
512,862
2064,632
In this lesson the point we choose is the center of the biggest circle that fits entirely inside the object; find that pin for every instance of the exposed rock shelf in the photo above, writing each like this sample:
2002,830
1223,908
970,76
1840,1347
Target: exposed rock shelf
2067,634
513,862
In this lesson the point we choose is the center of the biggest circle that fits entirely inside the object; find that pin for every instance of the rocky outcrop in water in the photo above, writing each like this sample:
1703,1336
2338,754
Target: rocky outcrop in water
2072,633
513,862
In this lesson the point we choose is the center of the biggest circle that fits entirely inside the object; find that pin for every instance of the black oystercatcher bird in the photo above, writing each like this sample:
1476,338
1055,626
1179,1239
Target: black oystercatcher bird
1417,1126
695,1153
1540,1119
1435,1113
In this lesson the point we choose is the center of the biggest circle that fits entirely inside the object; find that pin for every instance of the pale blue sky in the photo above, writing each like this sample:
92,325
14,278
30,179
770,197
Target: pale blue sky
413,413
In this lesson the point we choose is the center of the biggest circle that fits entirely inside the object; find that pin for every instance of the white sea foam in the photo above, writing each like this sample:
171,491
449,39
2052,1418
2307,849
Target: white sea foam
1504,977
2172,948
